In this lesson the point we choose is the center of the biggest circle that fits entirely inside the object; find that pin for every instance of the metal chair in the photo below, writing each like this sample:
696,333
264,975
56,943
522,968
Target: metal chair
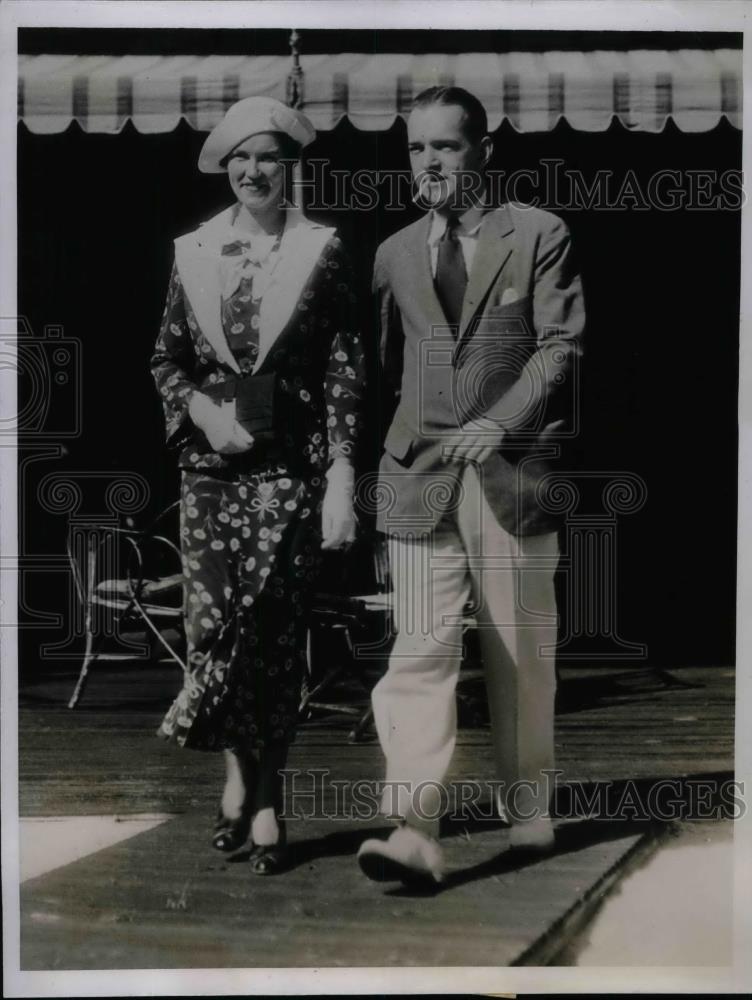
146,589
127,577
356,606
361,617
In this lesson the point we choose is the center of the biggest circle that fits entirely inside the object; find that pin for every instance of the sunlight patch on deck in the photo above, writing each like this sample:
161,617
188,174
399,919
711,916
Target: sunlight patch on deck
49,842
676,910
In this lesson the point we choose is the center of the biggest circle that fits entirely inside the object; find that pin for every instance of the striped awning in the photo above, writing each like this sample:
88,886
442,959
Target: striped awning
532,90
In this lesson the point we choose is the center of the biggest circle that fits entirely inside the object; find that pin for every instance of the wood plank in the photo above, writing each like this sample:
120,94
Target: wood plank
105,758
164,899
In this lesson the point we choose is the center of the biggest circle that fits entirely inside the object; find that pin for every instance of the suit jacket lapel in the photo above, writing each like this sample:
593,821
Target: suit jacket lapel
415,272
495,244
197,257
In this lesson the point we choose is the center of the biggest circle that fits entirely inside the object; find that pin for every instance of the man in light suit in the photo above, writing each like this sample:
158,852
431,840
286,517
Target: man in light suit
481,324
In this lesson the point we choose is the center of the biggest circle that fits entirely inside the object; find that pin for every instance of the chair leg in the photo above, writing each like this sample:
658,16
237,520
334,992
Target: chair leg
311,693
90,655
156,638
308,693
360,727
90,652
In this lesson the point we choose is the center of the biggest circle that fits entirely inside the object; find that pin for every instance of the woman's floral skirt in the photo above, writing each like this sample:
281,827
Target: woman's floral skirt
251,553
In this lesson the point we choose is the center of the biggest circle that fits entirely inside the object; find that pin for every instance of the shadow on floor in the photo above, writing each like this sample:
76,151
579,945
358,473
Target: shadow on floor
624,809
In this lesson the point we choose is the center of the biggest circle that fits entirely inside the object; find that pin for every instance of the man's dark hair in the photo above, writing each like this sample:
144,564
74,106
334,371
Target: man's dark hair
476,121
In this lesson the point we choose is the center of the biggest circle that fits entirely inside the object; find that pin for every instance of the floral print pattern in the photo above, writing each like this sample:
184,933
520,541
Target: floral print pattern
319,358
250,552
250,524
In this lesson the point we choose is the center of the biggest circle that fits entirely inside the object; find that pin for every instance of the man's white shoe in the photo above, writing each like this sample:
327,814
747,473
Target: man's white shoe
407,856
536,836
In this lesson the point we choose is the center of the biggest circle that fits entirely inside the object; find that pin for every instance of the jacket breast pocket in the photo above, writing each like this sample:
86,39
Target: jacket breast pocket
512,319
517,307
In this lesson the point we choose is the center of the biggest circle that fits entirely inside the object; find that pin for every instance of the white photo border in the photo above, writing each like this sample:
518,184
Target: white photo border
635,15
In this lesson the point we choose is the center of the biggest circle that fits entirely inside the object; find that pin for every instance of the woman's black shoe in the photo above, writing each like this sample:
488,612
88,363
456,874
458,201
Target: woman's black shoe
230,834
271,859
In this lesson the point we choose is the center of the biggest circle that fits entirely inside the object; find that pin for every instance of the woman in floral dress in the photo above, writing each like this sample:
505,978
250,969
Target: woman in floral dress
258,293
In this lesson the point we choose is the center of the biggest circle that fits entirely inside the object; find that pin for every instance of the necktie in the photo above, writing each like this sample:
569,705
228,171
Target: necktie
241,298
451,276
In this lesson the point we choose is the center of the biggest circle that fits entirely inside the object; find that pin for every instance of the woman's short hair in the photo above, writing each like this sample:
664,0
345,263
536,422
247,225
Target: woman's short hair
476,120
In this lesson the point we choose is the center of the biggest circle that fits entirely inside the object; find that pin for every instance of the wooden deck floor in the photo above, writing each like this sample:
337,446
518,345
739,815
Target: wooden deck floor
164,899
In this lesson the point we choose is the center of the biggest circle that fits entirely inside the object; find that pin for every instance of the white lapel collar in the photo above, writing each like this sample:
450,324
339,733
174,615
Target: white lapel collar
197,257
300,247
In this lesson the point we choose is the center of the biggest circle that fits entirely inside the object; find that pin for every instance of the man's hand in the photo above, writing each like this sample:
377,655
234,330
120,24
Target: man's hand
222,430
474,442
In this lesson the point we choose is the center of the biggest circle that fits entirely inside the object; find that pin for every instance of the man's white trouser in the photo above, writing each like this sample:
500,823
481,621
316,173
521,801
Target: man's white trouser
509,582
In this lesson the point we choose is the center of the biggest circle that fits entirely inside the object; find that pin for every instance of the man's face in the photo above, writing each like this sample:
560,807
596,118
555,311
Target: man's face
446,165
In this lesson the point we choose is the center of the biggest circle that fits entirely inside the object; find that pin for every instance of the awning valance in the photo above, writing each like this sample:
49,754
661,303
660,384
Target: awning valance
532,90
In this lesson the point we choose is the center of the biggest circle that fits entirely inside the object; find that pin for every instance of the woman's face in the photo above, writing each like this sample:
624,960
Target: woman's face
257,173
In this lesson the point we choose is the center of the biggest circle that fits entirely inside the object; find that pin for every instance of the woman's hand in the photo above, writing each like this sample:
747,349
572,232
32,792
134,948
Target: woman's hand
222,430
338,521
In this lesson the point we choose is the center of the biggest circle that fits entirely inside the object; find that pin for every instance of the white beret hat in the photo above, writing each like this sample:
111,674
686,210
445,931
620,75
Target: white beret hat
247,118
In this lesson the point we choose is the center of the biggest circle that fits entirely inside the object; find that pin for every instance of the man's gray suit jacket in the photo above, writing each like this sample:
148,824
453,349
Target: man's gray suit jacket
513,358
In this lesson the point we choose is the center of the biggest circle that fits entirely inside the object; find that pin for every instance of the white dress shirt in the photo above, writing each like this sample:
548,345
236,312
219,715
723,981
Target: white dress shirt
467,232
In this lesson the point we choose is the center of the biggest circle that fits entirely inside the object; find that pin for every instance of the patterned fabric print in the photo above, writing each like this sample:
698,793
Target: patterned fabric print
173,343
251,526
241,311
345,371
319,358
250,557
